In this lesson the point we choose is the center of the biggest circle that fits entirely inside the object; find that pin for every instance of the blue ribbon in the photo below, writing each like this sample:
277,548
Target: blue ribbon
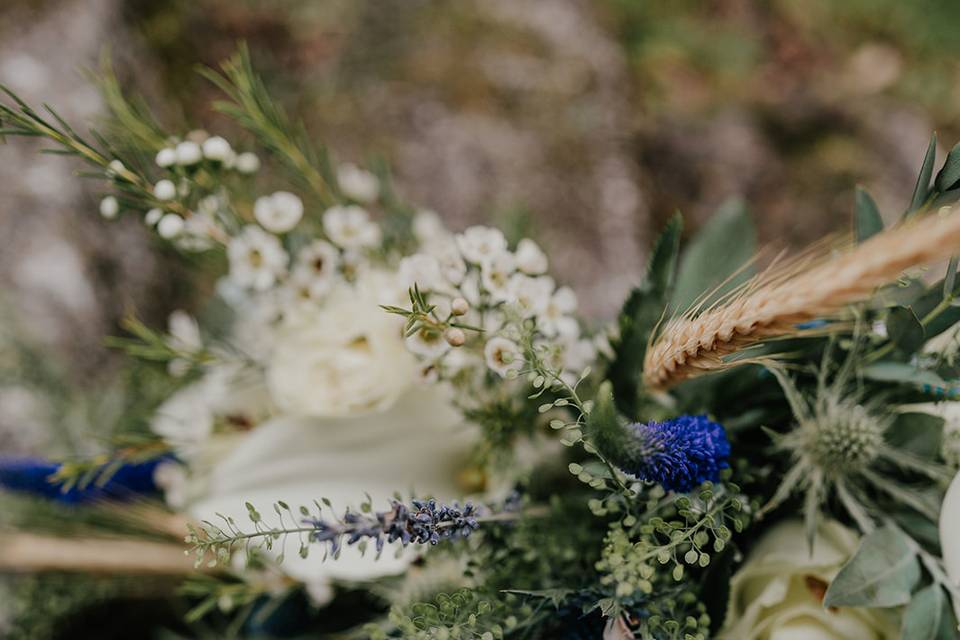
32,475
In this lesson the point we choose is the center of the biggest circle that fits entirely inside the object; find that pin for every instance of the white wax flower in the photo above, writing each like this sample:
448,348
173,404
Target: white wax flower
495,276
257,258
166,158
777,594
451,263
358,184
279,212
428,227
530,295
423,270
165,190
419,444
503,355
346,358
427,344
109,207
950,533
217,148
350,227
188,153
480,244
170,226
153,216
247,163
316,267
530,258
557,319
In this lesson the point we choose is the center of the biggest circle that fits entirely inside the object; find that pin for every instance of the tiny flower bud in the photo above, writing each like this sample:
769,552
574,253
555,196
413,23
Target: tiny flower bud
153,216
165,190
459,306
188,153
170,226
455,337
247,163
166,158
109,207
216,148
114,168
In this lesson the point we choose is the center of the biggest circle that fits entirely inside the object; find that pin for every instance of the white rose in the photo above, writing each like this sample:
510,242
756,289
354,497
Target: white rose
950,533
418,445
778,593
347,358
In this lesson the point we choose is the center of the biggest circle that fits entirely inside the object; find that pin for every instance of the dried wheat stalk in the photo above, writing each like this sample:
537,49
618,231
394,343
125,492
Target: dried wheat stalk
773,303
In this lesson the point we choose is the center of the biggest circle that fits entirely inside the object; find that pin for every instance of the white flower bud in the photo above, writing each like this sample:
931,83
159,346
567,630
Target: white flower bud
109,207
247,163
153,216
115,167
165,190
455,337
188,153
170,226
166,158
459,307
216,148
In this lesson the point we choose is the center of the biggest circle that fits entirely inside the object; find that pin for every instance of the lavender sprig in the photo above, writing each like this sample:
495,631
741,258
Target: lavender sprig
419,522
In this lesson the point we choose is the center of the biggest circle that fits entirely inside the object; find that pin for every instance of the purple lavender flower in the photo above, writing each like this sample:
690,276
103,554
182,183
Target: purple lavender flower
678,454
424,521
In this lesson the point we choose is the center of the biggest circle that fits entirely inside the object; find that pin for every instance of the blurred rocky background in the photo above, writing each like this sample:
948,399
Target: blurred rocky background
588,123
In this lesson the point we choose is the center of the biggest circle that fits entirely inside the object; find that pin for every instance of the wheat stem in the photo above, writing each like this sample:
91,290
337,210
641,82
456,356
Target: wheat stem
775,302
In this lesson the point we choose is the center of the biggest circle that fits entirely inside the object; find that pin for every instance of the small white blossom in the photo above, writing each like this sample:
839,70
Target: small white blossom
170,226
350,227
247,163
481,244
502,355
556,319
166,158
218,149
109,207
495,276
530,258
188,153
451,262
578,355
153,216
358,184
422,270
257,258
531,295
184,338
165,190
115,168
427,227
279,212
316,268
427,343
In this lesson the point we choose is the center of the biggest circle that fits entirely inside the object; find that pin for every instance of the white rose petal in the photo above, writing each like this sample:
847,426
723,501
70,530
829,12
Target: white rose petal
279,212
358,184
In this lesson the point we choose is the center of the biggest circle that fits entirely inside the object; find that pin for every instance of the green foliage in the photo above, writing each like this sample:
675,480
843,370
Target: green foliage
718,257
905,330
867,220
928,616
922,190
642,311
883,573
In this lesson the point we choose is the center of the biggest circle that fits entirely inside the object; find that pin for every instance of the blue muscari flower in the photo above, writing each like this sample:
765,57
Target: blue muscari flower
32,475
678,454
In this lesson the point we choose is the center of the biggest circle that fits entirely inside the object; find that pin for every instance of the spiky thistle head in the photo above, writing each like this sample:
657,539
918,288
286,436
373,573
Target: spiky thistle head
678,454
843,437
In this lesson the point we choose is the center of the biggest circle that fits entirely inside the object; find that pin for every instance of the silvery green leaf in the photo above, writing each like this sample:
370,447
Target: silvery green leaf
928,616
867,221
904,329
900,372
922,190
949,175
882,573
662,268
918,433
724,245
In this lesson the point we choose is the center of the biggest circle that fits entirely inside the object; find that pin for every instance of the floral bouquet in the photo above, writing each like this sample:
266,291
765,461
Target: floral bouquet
385,429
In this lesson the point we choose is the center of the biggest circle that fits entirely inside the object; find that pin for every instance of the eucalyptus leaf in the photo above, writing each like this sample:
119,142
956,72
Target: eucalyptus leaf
905,330
900,372
882,573
723,246
949,175
928,616
917,433
922,189
867,220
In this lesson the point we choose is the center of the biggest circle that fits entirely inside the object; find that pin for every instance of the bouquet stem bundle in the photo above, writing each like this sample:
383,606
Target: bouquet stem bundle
776,302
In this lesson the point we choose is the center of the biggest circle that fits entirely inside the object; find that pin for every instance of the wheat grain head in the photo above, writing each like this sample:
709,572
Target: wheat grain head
817,284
